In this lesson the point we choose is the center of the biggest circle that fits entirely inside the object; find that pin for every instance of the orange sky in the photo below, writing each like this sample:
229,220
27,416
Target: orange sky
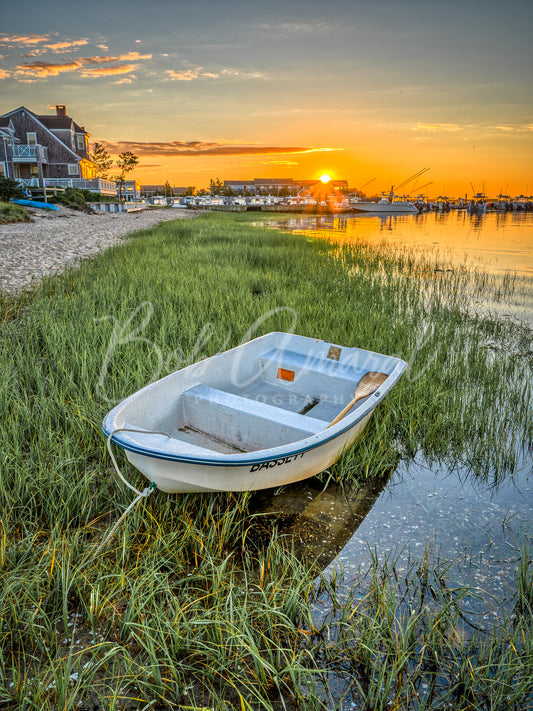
364,91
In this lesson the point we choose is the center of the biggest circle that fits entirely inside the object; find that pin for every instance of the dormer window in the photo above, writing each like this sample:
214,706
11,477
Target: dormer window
80,142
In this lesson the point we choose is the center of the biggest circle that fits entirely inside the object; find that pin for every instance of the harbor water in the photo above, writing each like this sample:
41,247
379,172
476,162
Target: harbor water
423,508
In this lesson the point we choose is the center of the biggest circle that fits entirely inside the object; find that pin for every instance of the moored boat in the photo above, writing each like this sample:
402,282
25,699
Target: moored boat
389,203
274,410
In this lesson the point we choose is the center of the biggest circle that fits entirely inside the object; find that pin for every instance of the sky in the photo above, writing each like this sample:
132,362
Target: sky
368,91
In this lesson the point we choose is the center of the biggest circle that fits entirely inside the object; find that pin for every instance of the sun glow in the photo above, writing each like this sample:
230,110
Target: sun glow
325,178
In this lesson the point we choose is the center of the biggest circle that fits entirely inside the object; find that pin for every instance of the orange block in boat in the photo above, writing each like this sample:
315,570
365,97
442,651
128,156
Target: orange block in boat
286,374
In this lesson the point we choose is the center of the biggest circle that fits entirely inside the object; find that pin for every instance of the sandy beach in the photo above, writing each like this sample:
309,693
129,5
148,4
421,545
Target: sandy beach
54,240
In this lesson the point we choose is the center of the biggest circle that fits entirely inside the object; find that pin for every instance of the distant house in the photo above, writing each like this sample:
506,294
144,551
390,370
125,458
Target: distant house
47,150
151,190
130,190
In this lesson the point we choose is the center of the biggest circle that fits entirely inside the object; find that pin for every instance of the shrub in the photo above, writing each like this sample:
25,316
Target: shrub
10,189
73,198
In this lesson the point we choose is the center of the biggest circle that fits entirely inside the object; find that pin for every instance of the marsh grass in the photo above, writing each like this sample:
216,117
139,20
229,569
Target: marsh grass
12,213
191,605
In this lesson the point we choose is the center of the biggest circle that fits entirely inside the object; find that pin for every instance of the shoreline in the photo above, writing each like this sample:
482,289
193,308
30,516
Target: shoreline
53,241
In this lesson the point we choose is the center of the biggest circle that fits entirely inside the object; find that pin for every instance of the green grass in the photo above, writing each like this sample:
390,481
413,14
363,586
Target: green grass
191,605
12,213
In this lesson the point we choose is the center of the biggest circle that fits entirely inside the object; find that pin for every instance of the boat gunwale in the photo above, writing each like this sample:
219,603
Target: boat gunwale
129,441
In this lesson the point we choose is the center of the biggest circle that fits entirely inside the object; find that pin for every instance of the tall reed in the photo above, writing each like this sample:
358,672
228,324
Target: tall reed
191,606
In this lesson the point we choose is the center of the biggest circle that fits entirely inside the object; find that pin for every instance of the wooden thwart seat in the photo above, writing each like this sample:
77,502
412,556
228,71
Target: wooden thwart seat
204,395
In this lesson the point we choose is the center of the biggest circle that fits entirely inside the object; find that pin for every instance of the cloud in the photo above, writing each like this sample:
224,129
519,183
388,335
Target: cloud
87,66
439,127
109,71
190,74
301,27
66,45
200,73
21,41
260,163
519,128
204,148
128,57
125,80
433,128
41,70
279,162
25,40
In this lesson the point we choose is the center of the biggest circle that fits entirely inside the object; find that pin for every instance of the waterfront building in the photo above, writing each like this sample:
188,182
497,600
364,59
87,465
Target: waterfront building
271,186
151,190
48,151
130,190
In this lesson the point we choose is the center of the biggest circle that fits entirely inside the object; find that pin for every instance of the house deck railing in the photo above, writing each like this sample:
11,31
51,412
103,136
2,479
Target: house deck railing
32,154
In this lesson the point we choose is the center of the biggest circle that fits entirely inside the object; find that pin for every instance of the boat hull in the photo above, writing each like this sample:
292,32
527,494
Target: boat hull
193,477
254,417
383,208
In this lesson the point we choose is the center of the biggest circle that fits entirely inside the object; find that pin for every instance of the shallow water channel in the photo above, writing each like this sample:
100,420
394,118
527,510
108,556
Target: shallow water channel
477,526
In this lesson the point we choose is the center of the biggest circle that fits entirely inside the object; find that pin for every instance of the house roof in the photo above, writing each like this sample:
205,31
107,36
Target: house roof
58,123
39,119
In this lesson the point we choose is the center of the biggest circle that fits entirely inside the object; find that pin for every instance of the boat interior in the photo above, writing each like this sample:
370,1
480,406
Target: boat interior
288,397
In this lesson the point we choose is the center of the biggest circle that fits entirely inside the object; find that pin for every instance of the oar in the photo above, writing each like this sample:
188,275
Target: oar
368,384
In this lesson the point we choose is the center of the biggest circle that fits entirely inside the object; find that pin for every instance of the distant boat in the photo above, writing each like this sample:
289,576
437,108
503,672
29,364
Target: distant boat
389,204
478,204
272,411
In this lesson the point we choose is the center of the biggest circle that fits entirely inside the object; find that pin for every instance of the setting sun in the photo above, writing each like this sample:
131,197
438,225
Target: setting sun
325,178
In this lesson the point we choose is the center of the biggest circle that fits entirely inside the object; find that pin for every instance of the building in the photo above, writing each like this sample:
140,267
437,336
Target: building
130,190
271,186
151,190
52,151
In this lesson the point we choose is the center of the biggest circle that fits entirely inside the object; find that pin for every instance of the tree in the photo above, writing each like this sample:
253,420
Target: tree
216,186
102,159
126,163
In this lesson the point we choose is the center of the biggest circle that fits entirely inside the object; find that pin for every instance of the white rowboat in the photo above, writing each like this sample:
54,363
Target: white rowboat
272,411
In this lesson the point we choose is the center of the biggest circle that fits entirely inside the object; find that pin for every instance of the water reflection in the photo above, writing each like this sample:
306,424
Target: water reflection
496,242
319,522
477,525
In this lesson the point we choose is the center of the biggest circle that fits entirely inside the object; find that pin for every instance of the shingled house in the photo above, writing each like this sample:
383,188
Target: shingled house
53,150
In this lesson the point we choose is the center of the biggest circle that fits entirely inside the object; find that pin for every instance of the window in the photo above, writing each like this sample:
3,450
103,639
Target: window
80,140
73,169
2,170
32,139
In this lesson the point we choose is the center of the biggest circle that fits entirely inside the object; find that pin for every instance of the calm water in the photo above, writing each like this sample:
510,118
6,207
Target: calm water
495,243
478,525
